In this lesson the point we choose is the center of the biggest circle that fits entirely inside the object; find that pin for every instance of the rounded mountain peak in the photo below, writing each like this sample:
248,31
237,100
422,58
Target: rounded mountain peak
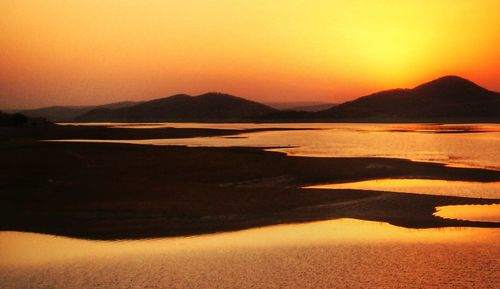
450,83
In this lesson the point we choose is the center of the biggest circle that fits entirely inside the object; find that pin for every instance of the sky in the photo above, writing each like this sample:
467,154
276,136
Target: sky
80,52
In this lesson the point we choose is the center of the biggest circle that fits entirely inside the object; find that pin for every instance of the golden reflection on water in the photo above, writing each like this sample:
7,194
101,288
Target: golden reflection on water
402,127
341,253
418,142
423,186
485,213
20,248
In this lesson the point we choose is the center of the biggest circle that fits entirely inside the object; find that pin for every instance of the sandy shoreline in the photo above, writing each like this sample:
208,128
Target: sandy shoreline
125,191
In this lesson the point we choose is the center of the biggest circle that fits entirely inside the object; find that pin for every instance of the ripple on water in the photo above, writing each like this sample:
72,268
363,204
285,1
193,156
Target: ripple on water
329,254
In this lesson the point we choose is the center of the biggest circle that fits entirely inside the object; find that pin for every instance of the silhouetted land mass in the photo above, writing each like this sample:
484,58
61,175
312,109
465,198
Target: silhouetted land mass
19,120
209,107
68,113
64,132
115,191
449,97
14,127
310,106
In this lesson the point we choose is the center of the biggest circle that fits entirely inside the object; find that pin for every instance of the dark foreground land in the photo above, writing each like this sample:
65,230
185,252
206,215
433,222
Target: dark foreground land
114,191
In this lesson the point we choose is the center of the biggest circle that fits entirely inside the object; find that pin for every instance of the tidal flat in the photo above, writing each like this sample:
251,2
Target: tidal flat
129,191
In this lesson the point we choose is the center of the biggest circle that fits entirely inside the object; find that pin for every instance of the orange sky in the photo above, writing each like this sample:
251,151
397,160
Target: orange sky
100,51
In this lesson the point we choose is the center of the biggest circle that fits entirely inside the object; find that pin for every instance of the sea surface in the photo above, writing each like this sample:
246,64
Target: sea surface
343,253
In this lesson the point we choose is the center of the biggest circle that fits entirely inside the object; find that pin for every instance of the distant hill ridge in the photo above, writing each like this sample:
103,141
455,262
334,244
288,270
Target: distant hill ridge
211,106
310,106
69,113
449,98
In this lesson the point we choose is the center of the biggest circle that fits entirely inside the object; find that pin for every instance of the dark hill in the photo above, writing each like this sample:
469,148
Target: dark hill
214,107
449,97
68,113
20,120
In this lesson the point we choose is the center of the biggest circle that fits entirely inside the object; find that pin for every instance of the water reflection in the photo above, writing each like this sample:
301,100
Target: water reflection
402,127
485,213
20,248
490,190
450,144
328,254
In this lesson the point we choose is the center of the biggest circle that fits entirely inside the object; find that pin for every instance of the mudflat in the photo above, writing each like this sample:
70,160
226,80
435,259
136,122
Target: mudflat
56,132
124,191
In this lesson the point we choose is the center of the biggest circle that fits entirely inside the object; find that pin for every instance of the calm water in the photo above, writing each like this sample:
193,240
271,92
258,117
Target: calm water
474,145
490,190
485,213
341,253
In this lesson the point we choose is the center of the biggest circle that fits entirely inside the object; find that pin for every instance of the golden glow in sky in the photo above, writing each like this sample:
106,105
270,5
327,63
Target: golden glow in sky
100,51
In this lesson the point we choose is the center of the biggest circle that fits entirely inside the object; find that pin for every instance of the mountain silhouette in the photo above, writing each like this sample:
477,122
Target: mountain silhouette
68,113
446,97
207,107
